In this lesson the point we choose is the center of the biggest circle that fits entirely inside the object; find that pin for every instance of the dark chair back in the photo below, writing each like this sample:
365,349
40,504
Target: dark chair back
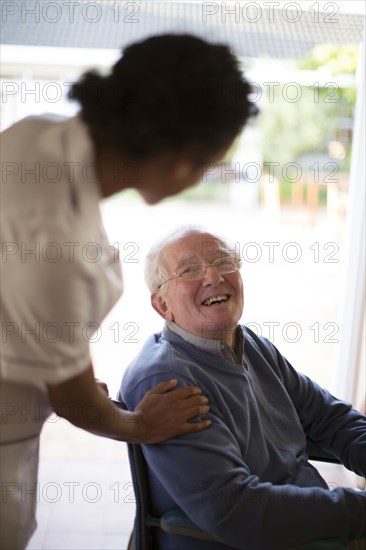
144,520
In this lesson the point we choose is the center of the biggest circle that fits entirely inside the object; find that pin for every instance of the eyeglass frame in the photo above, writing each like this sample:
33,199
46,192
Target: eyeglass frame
175,275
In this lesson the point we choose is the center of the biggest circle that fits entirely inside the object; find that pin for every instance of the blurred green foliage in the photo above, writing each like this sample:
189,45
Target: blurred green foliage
340,60
290,129
293,128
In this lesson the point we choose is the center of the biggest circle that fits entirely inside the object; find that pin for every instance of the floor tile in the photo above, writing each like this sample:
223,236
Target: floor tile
74,541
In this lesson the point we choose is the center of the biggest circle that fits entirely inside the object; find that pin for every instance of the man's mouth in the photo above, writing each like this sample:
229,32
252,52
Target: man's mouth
216,300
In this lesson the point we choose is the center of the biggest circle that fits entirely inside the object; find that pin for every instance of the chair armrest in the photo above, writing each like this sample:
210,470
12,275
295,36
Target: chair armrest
316,453
324,544
178,523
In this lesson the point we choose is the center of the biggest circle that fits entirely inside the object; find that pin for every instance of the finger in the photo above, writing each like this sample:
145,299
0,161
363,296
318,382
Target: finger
193,401
195,411
196,426
188,391
102,386
163,387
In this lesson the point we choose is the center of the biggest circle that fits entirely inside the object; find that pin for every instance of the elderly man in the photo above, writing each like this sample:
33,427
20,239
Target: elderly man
247,479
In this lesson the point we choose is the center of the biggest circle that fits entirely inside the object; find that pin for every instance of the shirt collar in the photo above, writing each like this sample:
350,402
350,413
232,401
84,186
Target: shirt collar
216,347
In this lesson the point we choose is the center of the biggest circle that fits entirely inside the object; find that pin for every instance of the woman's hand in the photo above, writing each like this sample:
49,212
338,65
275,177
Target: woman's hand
102,385
163,413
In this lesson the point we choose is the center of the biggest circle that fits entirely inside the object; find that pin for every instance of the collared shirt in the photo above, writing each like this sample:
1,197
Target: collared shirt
216,347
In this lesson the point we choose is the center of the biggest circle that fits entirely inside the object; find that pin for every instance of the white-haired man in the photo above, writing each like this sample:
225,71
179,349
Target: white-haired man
247,479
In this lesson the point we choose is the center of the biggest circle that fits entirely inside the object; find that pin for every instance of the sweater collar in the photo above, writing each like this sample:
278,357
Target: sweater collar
216,347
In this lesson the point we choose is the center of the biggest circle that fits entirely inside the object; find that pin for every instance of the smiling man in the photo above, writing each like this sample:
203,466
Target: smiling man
210,307
247,479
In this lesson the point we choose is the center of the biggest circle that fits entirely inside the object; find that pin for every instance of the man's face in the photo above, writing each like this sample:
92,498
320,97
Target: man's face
185,302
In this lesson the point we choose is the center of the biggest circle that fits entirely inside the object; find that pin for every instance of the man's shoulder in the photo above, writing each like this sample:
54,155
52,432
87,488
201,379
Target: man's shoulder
254,341
152,352
152,360
158,360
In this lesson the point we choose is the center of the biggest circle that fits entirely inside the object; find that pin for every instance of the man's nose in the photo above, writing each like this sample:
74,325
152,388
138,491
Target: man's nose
211,276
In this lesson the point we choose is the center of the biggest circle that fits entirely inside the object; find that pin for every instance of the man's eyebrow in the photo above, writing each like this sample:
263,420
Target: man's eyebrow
195,259
188,260
220,252
223,250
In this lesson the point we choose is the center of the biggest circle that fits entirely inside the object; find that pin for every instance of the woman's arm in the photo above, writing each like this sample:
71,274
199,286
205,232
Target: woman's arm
160,415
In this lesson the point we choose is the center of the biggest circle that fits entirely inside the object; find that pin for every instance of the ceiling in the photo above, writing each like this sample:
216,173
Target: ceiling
250,28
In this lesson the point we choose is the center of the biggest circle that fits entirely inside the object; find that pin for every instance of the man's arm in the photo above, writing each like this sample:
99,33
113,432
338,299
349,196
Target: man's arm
333,424
161,413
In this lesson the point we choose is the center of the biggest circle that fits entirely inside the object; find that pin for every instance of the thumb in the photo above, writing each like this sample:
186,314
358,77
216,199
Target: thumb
164,386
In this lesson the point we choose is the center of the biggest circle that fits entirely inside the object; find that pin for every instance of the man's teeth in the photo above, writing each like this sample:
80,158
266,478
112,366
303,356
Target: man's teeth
216,299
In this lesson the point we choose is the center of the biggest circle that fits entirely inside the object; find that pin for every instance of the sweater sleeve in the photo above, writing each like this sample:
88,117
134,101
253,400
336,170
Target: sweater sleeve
333,424
206,476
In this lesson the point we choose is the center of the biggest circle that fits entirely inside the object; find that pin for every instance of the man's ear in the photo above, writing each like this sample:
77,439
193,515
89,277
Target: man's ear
160,306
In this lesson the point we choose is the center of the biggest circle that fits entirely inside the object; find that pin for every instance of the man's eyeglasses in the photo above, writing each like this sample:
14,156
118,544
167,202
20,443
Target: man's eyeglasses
194,272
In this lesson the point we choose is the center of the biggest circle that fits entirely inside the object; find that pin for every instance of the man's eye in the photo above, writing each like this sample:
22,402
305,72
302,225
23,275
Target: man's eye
186,271
189,270
225,264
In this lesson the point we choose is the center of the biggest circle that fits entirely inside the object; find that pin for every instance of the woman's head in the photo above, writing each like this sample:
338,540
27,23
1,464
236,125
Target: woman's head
167,95
168,92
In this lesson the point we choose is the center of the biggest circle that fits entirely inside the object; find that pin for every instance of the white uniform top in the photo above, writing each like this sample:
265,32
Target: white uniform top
59,274
59,278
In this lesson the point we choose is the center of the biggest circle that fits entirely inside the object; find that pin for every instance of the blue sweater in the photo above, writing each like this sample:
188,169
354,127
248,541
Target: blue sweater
246,479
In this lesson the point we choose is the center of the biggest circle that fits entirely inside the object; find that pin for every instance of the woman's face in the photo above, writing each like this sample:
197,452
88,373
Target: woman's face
159,181
170,174
155,178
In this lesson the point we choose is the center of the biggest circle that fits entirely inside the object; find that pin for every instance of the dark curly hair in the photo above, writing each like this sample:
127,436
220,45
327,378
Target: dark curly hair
167,93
